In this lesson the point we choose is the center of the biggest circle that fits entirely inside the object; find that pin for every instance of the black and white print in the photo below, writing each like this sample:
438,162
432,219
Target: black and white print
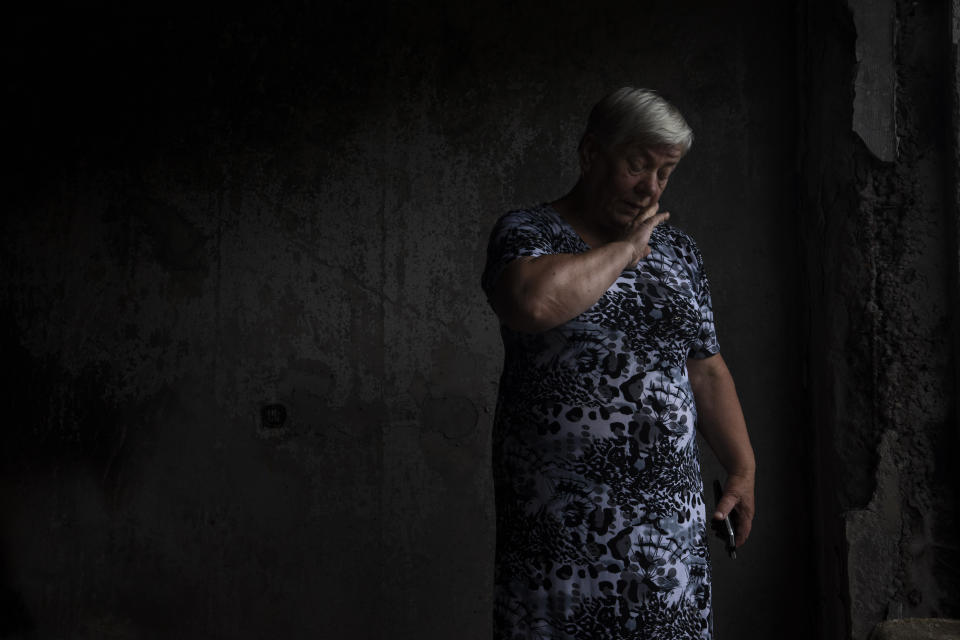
600,515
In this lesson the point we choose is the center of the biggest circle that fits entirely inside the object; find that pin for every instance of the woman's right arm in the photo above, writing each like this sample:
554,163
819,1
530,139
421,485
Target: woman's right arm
534,294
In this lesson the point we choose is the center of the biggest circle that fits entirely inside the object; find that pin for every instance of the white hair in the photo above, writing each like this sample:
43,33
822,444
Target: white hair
630,115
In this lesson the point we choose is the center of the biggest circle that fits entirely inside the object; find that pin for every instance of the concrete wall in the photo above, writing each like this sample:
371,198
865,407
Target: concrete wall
879,219
216,215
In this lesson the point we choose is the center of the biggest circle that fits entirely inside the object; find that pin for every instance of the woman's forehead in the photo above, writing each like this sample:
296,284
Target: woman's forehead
663,152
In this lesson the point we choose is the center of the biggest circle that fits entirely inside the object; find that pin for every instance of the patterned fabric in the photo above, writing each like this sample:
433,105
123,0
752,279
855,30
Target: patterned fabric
600,515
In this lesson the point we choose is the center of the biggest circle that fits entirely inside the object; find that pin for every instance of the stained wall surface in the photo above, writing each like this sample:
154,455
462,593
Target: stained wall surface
879,221
248,370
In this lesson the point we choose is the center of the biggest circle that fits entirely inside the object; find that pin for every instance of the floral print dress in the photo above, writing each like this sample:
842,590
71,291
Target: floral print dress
599,500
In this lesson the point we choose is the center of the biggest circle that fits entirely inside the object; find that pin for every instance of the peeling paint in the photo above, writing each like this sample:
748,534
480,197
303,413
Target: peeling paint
874,103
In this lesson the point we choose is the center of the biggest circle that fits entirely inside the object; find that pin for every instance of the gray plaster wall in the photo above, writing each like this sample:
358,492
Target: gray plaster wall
879,223
249,374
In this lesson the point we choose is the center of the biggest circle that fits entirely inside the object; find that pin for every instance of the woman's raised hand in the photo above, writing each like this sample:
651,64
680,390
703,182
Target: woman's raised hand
638,231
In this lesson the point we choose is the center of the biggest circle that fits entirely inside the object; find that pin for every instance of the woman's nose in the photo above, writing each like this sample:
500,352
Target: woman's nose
648,185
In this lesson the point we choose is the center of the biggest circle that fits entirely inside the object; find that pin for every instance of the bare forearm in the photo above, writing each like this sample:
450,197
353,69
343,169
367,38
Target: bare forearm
540,293
721,422
720,417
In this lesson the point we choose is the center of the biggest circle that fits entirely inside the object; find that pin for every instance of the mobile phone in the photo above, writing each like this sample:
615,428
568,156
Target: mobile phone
724,528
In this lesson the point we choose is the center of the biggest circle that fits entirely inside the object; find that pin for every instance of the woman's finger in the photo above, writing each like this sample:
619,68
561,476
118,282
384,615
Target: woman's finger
743,530
726,505
661,217
647,213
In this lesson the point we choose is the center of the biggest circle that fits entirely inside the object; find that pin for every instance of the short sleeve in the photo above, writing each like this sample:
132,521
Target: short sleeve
705,344
516,234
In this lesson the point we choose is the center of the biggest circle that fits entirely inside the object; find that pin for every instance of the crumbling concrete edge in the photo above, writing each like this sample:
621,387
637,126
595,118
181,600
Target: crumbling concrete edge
873,537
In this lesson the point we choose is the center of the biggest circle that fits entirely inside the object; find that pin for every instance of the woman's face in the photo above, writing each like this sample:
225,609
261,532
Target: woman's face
624,181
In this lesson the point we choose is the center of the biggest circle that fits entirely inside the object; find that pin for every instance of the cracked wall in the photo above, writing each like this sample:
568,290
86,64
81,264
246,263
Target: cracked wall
879,216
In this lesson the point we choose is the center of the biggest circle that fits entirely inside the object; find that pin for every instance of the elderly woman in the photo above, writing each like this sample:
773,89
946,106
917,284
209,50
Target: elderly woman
611,362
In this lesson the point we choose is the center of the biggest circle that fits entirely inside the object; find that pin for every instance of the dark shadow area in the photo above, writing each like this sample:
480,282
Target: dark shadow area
217,217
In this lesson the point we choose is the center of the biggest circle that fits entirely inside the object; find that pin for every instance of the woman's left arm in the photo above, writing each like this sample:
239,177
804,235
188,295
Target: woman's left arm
720,420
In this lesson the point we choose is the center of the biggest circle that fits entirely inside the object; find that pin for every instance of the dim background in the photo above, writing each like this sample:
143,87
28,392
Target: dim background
212,212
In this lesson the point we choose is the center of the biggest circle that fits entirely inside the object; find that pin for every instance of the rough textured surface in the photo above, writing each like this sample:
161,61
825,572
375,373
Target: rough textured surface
882,263
213,213
917,629
873,539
